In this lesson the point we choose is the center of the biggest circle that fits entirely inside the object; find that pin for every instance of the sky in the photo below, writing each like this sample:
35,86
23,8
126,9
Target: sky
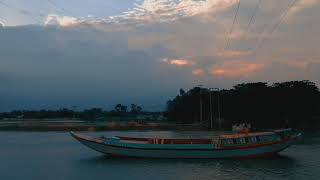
97,53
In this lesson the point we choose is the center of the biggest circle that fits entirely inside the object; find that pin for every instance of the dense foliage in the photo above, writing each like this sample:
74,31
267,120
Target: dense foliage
295,104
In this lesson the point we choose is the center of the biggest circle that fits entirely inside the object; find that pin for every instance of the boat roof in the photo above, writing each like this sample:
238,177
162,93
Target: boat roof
231,136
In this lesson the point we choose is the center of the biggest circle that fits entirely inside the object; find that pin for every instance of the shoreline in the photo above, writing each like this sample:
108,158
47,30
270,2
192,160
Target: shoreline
78,125
65,125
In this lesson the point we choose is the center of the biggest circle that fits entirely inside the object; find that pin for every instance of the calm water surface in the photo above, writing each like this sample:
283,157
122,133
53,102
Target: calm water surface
55,155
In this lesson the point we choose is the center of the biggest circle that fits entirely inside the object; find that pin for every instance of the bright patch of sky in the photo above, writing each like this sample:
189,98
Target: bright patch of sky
18,12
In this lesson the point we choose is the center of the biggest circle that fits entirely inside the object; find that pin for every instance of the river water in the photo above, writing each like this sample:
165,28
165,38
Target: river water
56,156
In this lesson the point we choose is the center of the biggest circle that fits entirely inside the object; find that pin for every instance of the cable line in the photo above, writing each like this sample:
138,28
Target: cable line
283,16
277,25
22,11
252,20
61,9
232,26
253,15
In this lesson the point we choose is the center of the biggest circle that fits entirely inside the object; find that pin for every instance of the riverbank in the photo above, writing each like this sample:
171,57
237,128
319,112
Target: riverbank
80,125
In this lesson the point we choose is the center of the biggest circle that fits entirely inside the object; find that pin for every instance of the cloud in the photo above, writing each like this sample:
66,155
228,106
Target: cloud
150,11
178,62
86,55
235,69
298,64
302,64
2,24
198,72
301,5
58,67
64,21
233,54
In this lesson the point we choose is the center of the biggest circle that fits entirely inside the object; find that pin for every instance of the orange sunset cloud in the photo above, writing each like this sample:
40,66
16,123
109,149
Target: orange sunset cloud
232,54
233,69
198,72
178,62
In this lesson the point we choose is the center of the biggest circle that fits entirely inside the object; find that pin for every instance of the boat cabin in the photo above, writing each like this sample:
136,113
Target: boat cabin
254,138
164,141
228,140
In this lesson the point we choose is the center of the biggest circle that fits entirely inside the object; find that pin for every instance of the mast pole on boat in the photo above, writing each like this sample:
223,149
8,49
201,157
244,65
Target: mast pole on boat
211,116
211,121
200,118
219,117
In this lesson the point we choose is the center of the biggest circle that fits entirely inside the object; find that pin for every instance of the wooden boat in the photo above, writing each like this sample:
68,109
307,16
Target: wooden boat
248,145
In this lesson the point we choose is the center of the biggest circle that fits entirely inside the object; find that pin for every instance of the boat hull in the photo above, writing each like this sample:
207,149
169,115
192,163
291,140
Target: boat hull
174,151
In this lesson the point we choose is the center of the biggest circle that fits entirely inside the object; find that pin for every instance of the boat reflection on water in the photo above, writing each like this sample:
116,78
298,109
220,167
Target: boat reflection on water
201,168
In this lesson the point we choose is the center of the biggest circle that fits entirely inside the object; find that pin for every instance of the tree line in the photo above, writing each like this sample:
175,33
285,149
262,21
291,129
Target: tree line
86,114
293,104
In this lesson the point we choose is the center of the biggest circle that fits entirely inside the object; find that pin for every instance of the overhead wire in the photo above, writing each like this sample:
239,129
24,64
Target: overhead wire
253,15
68,12
61,9
232,26
276,26
251,21
24,12
283,16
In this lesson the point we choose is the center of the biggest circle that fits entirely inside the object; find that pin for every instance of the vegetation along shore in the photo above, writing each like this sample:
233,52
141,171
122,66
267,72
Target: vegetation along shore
293,104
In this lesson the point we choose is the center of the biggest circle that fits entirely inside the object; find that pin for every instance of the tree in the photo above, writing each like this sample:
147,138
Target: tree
133,108
139,109
182,92
118,107
293,104
123,108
